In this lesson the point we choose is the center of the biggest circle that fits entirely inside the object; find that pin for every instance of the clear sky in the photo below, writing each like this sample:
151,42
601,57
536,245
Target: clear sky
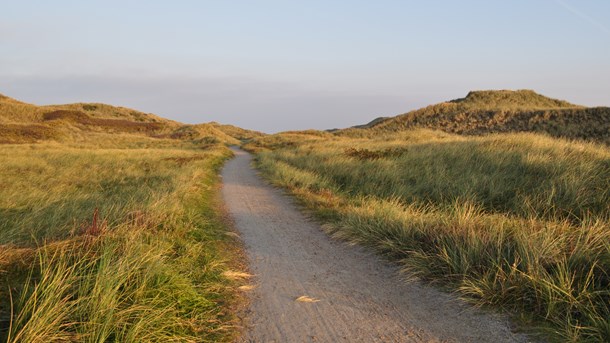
276,65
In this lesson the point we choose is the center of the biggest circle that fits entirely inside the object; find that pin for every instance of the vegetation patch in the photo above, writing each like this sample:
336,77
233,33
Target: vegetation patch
110,229
184,160
26,133
366,154
114,244
89,107
517,221
119,125
484,112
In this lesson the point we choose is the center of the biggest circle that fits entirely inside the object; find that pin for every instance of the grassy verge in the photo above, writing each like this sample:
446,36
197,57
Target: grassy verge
521,222
100,243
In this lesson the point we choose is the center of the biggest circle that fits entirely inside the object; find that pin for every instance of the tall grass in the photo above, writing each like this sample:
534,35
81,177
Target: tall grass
149,268
518,221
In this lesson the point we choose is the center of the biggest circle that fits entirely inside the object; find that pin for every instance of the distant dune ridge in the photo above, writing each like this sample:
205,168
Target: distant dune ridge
482,112
26,123
371,123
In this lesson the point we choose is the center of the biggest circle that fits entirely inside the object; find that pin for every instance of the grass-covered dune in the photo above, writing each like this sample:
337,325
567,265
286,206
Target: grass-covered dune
517,221
26,123
111,229
483,112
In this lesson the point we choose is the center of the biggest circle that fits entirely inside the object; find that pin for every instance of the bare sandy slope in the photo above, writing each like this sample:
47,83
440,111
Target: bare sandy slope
356,296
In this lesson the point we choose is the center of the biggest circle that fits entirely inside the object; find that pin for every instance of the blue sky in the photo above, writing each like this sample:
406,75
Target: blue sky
280,65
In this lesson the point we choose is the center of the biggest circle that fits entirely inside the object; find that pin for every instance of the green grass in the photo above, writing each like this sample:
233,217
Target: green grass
517,221
149,267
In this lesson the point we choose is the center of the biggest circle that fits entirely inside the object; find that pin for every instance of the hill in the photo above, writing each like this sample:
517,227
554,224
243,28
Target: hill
508,99
371,123
26,123
483,112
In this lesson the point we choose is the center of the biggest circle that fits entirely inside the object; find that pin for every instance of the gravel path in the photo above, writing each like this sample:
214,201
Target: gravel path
351,295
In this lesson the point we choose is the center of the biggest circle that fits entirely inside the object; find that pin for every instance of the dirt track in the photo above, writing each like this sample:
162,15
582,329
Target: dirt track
355,296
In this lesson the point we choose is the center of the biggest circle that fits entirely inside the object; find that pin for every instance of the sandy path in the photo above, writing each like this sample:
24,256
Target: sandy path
361,298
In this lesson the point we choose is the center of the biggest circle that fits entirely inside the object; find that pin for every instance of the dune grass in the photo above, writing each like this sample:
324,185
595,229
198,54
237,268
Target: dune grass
22,123
505,111
118,240
517,221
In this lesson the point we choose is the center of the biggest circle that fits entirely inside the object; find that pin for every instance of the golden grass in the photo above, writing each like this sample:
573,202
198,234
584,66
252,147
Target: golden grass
484,112
518,221
110,229
149,267
246,288
236,275
27,123
17,112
